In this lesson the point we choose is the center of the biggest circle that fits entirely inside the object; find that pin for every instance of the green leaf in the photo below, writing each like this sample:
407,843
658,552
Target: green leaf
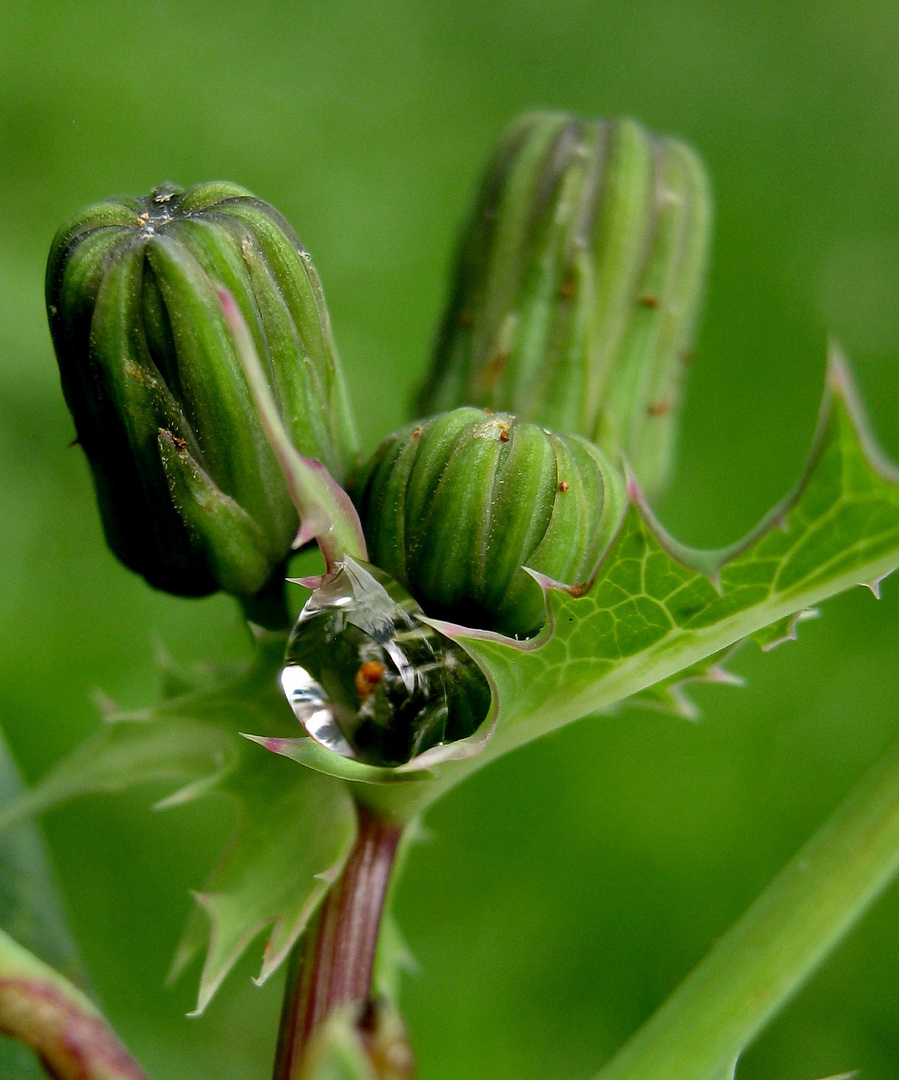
670,695
295,831
731,1071
656,610
753,970
658,615
295,827
125,753
31,909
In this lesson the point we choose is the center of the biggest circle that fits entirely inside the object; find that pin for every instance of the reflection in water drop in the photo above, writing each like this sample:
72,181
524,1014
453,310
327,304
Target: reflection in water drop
369,681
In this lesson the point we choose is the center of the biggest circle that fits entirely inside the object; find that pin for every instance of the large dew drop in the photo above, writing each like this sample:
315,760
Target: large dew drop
369,681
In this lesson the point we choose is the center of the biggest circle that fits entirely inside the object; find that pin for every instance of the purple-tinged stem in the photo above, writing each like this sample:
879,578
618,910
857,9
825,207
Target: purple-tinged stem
332,966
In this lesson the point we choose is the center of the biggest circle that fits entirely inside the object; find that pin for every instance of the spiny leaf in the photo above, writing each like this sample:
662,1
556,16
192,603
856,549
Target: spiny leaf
176,679
658,615
127,753
295,827
191,738
784,630
295,831
656,609
670,695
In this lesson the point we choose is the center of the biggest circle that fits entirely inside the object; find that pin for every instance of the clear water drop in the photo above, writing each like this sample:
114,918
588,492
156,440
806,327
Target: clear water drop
370,681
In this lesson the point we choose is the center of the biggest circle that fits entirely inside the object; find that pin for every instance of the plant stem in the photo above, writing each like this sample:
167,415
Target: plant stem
46,1012
332,965
771,951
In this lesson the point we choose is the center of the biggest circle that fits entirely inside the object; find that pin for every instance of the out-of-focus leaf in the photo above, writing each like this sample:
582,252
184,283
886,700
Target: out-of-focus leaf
295,831
295,827
125,753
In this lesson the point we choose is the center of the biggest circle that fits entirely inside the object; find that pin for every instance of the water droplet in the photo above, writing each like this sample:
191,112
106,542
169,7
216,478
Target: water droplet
368,680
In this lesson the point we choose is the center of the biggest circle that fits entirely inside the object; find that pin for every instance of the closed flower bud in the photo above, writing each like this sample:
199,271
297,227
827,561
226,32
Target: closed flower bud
577,285
189,490
454,507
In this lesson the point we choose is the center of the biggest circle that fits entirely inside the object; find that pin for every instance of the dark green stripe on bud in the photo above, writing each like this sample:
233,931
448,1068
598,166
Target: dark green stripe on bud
578,284
189,490
454,507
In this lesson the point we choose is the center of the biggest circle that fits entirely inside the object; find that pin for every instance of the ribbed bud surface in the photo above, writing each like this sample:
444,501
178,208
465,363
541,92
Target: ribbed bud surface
454,507
577,285
189,491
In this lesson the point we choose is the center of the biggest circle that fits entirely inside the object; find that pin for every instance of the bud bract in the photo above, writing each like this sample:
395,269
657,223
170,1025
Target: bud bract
577,285
189,490
454,507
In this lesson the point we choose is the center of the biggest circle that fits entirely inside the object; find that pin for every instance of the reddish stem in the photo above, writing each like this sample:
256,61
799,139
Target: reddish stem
333,964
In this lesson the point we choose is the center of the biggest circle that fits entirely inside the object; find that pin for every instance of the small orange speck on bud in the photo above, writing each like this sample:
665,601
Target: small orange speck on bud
659,408
648,300
367,678
503,432
566,289
416,434
563,485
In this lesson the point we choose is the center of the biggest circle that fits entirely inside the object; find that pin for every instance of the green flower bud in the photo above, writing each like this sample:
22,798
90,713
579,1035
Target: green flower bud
578,284
454,507
190,493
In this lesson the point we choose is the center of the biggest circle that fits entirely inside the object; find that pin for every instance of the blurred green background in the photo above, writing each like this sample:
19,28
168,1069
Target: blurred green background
567,889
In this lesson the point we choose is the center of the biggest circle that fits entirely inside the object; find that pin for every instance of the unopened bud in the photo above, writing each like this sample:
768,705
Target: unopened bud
456,506
577,285
189,490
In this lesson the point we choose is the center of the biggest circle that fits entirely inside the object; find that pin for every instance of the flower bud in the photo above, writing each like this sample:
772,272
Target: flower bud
577,285
189,490
454,507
